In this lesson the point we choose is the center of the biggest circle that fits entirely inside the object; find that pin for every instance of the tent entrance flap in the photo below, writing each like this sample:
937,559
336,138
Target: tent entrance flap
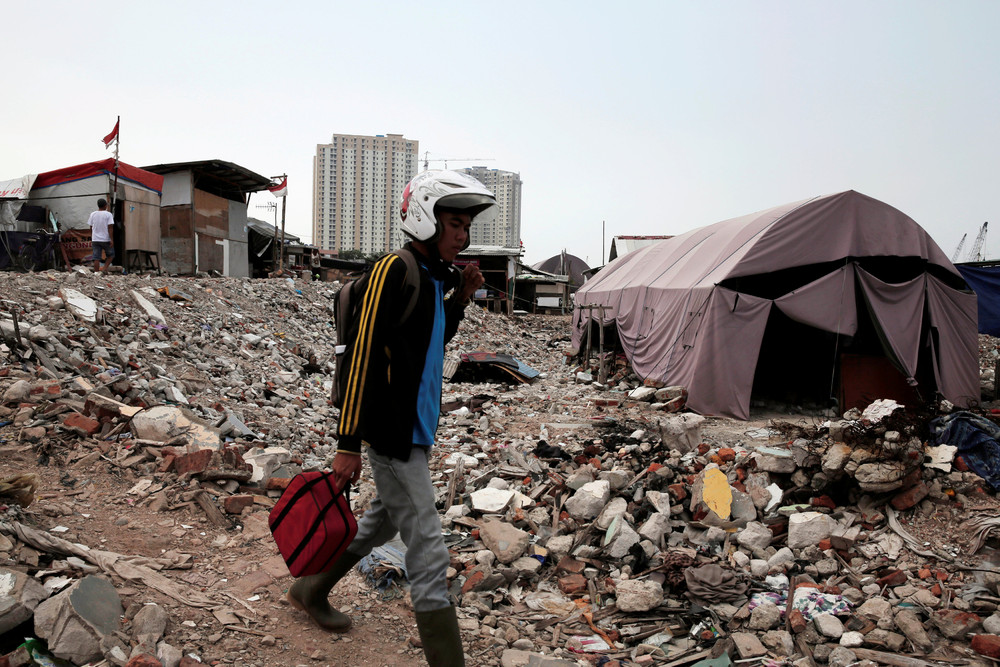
797,363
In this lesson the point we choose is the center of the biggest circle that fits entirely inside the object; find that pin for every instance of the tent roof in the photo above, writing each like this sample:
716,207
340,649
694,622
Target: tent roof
622,245
126,172
812,231
574,268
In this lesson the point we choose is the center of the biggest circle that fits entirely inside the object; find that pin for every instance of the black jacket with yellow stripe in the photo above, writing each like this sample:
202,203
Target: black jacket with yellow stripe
385,359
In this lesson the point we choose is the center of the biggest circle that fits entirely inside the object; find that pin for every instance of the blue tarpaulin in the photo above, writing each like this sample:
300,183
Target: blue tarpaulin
985,282
977,440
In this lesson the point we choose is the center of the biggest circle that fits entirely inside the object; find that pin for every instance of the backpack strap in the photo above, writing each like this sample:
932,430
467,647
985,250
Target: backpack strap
412,281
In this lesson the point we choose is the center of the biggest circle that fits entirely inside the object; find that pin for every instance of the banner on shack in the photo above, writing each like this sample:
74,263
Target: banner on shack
17,188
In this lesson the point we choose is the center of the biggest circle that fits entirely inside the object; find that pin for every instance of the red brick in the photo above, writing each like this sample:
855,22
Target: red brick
144,660
278,483
910,497
571,565
924,573
474,579
825,544
892,578
797,621
823,501
727,454
573,584
167,463
703,449
988,645
194,463
961,465
936,590
81,424
236,504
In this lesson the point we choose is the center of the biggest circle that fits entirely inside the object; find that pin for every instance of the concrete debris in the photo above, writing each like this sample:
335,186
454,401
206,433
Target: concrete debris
587,521
19,596
74,623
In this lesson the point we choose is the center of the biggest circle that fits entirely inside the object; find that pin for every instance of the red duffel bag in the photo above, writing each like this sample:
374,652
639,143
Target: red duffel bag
312,523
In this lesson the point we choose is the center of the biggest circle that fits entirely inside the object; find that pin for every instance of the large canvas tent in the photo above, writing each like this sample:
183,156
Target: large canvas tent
778,297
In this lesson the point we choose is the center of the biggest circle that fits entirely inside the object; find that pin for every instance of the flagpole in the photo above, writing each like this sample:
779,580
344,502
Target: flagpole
281,254
118,140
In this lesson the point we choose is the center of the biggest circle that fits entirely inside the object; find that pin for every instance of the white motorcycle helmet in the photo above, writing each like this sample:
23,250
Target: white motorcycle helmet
447,189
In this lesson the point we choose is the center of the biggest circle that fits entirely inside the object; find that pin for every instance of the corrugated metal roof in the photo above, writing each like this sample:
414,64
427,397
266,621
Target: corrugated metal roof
218,177
267,229
490,251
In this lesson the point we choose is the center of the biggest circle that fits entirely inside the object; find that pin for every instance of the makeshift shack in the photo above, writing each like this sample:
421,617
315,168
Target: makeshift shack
204,216
836,297
71,195
498,266
542,292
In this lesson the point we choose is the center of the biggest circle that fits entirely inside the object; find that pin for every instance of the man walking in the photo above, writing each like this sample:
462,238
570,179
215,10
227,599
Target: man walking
404,361
100,222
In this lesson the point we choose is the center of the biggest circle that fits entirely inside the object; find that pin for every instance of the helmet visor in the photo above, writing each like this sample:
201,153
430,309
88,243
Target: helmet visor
482,208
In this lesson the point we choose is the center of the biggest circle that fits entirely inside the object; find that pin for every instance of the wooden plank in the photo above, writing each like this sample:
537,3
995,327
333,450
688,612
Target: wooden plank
893,659
212,510
689,658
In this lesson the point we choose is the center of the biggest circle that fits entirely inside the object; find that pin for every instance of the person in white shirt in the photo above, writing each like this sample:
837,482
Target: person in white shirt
100,222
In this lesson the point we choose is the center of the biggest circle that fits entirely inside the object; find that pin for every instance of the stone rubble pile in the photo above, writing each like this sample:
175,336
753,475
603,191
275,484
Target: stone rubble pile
588,523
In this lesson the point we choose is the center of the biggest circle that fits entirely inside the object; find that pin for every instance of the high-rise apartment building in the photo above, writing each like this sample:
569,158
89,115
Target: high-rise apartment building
505,231
357,183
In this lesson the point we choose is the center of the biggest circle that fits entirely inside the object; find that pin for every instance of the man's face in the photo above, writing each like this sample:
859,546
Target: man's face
454,233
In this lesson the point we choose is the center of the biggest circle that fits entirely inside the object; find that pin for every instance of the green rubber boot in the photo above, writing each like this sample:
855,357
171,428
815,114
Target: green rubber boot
311,594
440,637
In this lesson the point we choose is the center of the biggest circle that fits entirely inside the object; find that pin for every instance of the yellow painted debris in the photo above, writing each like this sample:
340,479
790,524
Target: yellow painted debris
717,494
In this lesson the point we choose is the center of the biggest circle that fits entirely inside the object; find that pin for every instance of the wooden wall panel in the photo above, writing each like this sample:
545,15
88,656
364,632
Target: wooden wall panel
211,214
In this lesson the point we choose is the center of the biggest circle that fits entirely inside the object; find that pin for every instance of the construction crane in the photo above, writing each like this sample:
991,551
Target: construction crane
976,253
446,160
958,249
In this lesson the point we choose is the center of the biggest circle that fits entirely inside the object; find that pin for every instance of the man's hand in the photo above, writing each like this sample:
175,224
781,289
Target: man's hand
473,280
346,468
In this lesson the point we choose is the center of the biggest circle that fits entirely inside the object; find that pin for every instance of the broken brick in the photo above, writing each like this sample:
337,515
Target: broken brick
892,578
85,426
571,565
988,645
236,504
573,584
193,463
910,497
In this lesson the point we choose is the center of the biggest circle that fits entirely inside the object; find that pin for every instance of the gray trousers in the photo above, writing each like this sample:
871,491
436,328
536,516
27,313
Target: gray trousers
404,503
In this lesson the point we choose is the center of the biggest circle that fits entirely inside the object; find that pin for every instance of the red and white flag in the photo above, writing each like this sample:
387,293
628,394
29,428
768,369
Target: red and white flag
112,136
280,189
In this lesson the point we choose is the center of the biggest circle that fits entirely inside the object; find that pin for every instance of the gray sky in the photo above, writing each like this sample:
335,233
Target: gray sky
651,117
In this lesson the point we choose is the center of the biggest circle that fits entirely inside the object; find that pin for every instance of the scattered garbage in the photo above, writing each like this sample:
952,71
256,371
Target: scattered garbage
587,520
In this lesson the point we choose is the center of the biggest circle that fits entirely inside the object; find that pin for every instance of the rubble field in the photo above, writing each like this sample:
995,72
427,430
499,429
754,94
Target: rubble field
149,423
